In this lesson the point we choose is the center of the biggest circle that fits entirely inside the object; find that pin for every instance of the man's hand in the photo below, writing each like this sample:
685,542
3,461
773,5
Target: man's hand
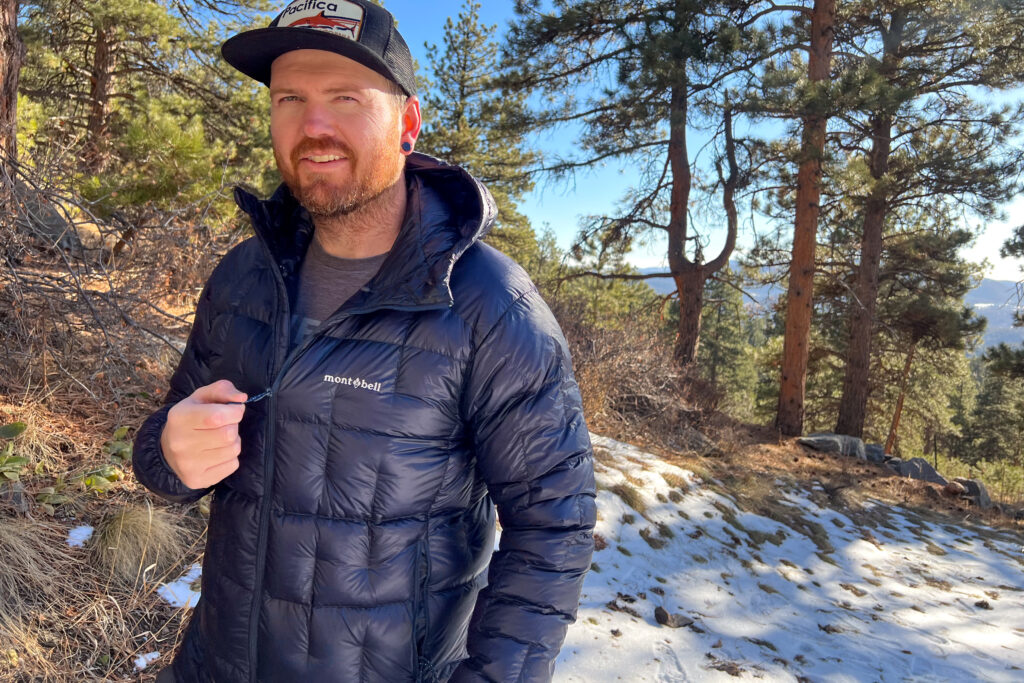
200,440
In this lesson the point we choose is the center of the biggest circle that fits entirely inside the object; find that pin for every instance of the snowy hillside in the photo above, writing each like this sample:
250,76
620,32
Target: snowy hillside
804,593
882,594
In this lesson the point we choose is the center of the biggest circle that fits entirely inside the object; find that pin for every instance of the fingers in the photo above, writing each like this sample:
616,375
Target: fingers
211,475
221,470
221,391
215,416
215,454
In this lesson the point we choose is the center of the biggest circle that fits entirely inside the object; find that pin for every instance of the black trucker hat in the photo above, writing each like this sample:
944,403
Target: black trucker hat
356,29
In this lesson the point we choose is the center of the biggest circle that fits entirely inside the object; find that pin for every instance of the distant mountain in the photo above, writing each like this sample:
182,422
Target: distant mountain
996,300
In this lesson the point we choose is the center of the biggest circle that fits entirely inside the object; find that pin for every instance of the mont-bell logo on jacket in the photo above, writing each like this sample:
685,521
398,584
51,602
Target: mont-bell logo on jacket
340,18
357,382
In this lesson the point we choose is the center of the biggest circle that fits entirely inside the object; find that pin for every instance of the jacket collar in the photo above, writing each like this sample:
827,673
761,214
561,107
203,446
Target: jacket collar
447,211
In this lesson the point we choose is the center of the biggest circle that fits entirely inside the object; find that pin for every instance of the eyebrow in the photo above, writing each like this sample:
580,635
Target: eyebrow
329,91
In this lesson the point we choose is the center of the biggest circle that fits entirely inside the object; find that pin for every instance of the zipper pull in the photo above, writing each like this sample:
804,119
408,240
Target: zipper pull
253,399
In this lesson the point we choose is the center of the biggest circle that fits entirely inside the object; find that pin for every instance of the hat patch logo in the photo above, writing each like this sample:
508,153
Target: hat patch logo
343,19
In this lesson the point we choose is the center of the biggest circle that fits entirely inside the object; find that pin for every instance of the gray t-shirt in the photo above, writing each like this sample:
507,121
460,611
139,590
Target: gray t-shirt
325,283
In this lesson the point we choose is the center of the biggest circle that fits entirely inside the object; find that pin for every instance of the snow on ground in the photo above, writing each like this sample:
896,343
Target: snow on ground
142,661
815,596
79,535
807,595
179,592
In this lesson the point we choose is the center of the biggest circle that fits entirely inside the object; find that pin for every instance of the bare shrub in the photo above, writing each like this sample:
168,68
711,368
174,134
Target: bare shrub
630,384
88,302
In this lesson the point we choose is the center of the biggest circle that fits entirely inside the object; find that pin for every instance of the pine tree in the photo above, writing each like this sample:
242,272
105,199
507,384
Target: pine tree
653,69
789,418
998,423
926,137
137,100
470,121
727,352
12,53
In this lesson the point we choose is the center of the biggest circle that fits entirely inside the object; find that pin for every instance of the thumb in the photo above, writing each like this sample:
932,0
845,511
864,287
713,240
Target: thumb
221,391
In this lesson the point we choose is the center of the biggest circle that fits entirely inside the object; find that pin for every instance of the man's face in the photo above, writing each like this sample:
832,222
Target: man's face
336,131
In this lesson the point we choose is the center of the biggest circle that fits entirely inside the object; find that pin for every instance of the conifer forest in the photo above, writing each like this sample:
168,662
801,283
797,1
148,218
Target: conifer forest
812,174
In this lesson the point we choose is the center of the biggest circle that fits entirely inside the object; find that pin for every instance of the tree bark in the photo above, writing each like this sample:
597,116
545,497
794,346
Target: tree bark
12,53
891,441
690,276
97,129
854,400
790,413
685,272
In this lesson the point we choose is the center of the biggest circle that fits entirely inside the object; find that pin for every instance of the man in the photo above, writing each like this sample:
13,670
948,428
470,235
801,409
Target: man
401,376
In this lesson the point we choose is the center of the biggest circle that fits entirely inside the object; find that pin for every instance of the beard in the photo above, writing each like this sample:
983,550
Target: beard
323,195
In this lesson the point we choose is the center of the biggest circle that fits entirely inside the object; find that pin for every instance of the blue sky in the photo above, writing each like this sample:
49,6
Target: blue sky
560,205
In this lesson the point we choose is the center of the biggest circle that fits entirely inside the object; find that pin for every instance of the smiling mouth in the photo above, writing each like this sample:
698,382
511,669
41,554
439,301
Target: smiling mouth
322,158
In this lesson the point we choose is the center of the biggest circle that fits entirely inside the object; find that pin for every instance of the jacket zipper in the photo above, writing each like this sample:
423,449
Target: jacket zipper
268,473
269,448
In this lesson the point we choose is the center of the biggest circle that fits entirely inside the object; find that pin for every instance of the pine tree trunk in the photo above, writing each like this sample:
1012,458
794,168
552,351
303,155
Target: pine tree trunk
891,441
690,285
854,400
684,271
12,52
790,414
94,155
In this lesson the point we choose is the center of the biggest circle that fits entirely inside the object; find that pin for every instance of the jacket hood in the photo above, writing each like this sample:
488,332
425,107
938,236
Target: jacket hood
447,211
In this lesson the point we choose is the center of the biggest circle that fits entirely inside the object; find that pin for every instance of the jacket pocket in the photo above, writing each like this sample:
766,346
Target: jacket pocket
420,614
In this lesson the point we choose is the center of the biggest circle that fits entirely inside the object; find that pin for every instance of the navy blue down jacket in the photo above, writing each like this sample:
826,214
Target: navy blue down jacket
353,541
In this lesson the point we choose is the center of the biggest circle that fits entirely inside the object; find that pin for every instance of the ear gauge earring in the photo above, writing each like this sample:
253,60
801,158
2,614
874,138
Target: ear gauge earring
406,147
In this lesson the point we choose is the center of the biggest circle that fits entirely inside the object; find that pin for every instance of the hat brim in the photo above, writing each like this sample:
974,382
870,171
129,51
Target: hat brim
252,52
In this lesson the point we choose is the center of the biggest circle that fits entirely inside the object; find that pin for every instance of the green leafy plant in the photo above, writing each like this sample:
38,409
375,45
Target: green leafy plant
119,447
11,466
101,479
51,497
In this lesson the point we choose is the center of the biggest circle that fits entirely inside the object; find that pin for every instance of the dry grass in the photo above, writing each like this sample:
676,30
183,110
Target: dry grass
630,496
136,543
33,568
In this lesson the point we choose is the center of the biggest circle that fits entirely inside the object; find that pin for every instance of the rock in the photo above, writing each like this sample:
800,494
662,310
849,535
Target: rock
1018,515
875,452
976,491
14,495
919,468
674,620
45,220
842,444
689,439
954,489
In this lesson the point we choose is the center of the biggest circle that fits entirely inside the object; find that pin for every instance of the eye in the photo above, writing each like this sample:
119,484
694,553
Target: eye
287,98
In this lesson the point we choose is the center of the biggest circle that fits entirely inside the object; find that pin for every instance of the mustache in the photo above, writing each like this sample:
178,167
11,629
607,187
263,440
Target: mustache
310,146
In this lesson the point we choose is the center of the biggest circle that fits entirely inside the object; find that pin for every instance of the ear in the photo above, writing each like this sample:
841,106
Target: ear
411,122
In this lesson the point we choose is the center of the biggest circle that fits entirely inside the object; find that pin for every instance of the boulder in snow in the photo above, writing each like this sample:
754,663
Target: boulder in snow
875,452
919,468
976,491
673,620
842,444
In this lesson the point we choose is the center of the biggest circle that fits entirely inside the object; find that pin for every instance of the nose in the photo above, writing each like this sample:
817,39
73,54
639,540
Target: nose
316,121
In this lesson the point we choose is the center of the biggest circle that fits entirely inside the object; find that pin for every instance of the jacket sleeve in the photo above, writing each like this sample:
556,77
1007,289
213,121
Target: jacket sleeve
533,451
148,462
